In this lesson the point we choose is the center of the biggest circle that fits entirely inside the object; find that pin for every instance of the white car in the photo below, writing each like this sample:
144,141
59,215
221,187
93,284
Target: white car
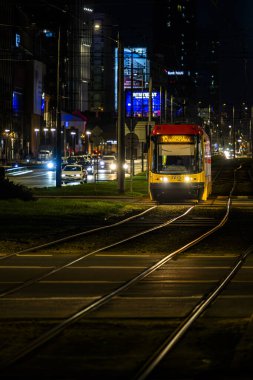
108,163
73,173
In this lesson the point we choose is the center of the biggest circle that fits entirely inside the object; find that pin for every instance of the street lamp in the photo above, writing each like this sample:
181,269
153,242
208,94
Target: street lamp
6,132
36,130
120,106
120,120
88,133
58,114
45,131
73,134
53,131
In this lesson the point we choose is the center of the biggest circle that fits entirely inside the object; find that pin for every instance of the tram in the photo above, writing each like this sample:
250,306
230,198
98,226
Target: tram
179,163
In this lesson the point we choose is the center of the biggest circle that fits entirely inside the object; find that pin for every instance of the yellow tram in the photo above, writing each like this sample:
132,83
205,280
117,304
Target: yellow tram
179,162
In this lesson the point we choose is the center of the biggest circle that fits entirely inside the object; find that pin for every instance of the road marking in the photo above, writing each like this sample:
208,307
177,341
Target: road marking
33,255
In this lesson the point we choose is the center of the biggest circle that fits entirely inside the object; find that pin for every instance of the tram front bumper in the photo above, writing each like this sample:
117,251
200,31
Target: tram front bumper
172,191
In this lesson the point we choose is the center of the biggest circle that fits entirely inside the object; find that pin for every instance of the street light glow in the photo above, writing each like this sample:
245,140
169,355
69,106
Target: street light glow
97,26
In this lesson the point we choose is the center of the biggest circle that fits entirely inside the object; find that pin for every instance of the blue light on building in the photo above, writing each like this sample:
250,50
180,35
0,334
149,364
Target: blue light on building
17,40
141,104
17,98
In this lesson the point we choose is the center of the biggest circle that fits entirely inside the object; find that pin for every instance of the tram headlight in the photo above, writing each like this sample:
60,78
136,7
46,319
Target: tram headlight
164,179
187,178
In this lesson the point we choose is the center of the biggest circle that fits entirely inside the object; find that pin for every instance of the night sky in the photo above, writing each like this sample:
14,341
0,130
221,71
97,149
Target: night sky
134,18
231,21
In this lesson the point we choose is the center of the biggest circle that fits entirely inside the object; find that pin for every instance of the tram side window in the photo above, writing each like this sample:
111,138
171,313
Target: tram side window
200,157
154,162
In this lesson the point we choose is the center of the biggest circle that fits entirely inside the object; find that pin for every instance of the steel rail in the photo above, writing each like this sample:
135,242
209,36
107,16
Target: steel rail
70,237
103,300
174,338
59,268
69,321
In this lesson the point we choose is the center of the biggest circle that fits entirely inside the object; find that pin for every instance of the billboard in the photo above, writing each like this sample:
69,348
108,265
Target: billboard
138,104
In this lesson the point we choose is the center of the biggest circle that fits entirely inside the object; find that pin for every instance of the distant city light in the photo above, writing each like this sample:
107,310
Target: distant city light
48,33
174,72
97,26
17,40
88,10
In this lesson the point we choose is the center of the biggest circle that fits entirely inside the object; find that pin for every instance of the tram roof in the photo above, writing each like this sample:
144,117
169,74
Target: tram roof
177,129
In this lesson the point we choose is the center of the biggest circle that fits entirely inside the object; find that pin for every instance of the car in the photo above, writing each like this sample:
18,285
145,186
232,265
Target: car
45,155
87,165
72,160
73,173
51,165
108,163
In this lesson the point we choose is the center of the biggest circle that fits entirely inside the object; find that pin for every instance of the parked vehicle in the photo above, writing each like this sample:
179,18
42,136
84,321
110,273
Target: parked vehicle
73,173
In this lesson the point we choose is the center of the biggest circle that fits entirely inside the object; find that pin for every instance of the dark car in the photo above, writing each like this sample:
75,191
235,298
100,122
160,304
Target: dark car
87,165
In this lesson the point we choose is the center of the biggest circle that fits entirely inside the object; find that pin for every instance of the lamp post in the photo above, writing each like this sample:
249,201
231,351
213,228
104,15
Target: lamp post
45,132
120,109
6,132
88,133
36,130
234,134
53,131
58,114
73,134
120,120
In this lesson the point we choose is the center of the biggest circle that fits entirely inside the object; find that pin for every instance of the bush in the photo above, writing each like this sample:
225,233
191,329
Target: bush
10,190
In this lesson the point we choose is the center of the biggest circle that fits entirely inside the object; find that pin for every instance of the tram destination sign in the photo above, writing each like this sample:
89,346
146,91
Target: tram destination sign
175,139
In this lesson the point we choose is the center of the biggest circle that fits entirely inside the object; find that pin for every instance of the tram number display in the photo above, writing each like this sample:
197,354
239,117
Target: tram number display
175,139
176,178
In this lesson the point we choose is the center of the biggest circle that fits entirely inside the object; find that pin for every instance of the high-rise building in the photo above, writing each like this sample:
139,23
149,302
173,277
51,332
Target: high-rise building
175,33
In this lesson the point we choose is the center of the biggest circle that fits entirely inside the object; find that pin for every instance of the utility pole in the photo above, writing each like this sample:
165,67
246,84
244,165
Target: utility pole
121,119
251,132
150,102
171,108
161,110
233,111
165,105
58,116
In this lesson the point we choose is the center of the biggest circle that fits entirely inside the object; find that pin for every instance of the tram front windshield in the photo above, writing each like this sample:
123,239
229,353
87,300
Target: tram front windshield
177,158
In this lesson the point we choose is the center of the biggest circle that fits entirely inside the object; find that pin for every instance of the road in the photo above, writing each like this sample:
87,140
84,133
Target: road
46,178
41,177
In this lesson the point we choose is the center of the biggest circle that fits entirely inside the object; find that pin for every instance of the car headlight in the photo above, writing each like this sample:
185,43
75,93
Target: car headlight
50,165
63,175
113,166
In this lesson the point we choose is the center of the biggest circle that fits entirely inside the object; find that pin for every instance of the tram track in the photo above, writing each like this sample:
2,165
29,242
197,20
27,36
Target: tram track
110,299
